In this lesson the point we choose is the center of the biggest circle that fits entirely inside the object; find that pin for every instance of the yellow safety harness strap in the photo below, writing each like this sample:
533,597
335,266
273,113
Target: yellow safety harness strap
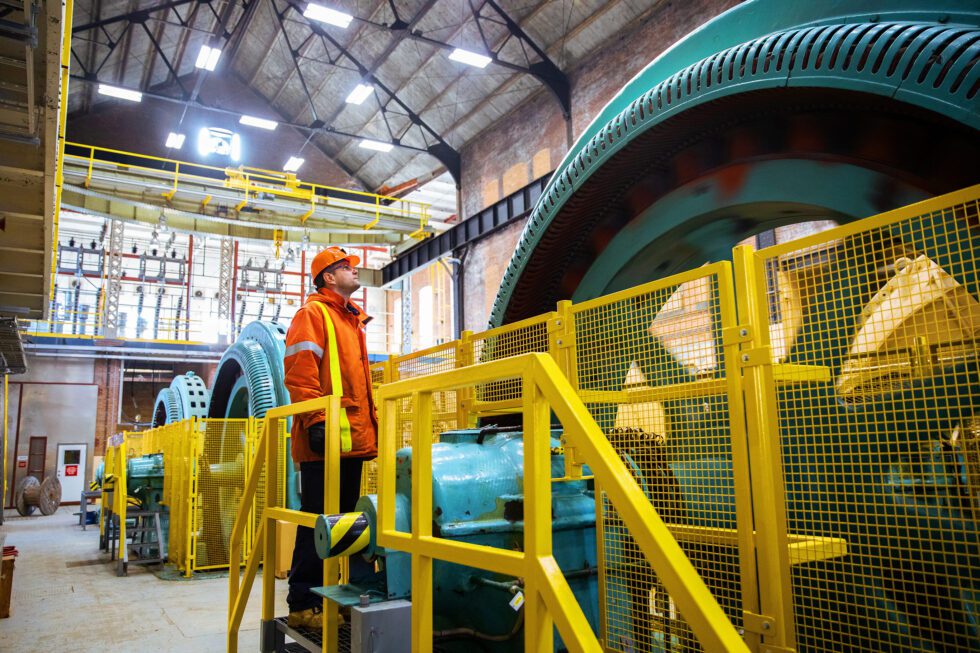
335,381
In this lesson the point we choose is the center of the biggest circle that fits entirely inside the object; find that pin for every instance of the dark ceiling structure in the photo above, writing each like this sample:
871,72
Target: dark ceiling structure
422,102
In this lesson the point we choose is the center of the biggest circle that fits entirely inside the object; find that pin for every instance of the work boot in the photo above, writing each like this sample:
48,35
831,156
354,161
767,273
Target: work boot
311,619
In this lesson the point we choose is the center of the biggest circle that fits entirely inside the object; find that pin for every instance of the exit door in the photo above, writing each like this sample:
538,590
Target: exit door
71,471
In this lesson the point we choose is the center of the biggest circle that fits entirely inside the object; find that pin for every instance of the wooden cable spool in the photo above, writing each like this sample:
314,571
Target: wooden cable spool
30,494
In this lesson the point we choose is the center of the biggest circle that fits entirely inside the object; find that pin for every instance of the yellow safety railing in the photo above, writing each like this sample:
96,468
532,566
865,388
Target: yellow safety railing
265,472
252,181
549,600
807,397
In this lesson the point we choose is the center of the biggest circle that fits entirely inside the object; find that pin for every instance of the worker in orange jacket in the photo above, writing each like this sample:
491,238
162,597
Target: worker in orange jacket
326,353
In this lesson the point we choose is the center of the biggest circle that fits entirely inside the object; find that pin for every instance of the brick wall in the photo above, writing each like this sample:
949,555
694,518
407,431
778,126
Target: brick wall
107,377
534,138
537,126
482,272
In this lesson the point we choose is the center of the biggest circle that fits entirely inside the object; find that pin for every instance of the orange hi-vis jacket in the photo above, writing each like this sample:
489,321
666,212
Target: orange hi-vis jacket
310,370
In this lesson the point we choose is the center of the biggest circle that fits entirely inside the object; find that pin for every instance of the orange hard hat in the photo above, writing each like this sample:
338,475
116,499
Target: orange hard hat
328,257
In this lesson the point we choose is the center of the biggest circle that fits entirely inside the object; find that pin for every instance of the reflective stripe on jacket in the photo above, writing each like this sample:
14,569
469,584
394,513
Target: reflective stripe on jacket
308,366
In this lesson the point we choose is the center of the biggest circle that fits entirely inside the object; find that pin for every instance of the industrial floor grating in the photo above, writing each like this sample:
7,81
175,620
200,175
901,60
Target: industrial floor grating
310,640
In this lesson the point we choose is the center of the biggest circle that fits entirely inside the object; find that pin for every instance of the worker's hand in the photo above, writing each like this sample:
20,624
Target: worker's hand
317,437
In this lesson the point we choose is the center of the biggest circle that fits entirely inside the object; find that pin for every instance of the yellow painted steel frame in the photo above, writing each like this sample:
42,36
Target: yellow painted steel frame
253,181
6,402
66,24
264,541
549,600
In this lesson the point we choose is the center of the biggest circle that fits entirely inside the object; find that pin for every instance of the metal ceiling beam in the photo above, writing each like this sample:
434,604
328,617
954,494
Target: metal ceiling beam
438,148
503,88
400,34
139,15
432,102
228,112
544,70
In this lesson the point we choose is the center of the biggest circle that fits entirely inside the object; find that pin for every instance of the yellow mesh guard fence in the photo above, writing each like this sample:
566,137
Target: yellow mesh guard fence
512,340
441,358
204,475
221,448
884,454
649,364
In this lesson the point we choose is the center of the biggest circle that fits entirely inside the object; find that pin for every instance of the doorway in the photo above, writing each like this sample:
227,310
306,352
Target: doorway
71,471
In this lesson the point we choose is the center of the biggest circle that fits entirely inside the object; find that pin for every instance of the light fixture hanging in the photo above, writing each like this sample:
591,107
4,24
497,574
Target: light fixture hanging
293,164
175,141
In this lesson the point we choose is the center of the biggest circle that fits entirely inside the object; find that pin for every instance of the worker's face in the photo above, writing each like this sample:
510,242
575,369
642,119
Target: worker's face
344,277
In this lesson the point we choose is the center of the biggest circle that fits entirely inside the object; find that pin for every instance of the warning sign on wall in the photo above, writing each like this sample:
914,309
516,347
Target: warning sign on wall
71,470
22,461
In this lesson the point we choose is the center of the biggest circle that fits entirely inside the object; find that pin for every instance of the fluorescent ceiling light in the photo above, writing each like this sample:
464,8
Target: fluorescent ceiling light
327,15
360,93
176,141
470,58
121,93
258,122
207,58
293,164
377,146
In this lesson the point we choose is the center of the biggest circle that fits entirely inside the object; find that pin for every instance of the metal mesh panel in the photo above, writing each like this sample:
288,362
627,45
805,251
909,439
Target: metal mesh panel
650,366
429,361
884,455
377,374
178,463
511,340
222,448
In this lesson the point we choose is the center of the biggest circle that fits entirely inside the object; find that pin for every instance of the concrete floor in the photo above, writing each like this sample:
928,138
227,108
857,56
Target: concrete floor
67,597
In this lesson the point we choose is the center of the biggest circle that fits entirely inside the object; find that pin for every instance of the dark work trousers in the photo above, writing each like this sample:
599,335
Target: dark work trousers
307,568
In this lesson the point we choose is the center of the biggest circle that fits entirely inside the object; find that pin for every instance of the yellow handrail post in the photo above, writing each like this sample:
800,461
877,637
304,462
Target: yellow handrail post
561,348
733,334
775,621
422,603
271,435
331,500
122,497
190,450
6,401
464,396
538,624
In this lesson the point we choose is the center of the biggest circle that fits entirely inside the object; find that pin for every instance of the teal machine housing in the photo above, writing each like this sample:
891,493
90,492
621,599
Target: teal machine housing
477,486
